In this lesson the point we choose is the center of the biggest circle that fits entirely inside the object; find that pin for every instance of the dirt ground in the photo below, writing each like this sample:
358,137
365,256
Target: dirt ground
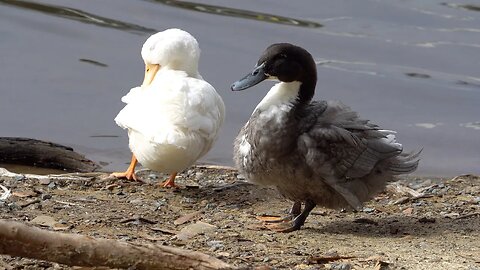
417,223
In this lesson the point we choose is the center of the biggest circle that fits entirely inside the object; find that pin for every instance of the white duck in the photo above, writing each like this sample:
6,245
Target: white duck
174,117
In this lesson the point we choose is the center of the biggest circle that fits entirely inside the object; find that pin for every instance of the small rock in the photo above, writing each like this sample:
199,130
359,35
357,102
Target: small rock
51,185
44,181
194,229
185,218
368,210
14,206
331,253
199,175
408,211
215,245
136,201
189,200
240,177
341,266
223,254
476,200
210,206
60,227
46,197
261,246
426,220
43,220
19,177
152,176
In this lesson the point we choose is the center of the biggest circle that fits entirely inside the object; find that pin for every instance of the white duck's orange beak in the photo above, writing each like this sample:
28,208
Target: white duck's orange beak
150,71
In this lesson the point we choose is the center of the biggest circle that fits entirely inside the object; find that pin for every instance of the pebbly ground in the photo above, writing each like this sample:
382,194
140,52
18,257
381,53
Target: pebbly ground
417,223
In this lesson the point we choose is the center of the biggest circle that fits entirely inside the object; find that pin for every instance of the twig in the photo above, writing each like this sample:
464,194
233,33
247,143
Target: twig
6,193
66,177
66,203
403,189
17,239
468,215
138,219
327,259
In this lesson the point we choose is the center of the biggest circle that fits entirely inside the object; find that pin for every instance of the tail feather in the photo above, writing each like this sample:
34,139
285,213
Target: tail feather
359,189
404,163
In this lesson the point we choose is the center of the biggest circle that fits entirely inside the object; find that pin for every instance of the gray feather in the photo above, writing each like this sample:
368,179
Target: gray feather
322,152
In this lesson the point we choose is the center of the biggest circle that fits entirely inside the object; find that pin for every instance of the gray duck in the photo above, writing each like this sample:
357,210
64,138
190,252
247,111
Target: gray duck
312,152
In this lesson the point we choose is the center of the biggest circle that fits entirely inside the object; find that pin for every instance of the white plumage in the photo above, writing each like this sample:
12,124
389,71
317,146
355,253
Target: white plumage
174,118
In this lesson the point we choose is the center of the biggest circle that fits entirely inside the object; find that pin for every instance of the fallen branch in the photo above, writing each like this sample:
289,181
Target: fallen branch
53,177
43,154
17,239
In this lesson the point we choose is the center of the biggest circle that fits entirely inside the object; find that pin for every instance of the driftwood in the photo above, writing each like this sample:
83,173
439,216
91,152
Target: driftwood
17,239
38,153
54,177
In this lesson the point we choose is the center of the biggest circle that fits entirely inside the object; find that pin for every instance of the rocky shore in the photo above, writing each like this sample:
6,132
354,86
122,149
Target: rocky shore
417,223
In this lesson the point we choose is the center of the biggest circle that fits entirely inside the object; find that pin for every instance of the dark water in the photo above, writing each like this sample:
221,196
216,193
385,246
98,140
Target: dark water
411,66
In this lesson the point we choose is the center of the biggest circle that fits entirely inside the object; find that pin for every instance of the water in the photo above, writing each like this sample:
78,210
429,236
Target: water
411,66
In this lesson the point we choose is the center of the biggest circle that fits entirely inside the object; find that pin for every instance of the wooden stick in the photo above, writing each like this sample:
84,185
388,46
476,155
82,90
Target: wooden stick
60,177
17,239
44,154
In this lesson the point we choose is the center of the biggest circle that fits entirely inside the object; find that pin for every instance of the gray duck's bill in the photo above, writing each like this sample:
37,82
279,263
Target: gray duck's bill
255,77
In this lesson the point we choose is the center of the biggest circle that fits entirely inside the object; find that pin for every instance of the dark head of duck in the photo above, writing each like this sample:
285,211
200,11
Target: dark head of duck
287,63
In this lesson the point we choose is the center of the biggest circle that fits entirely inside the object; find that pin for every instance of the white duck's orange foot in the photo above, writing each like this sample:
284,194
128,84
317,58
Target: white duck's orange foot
170,182
127,175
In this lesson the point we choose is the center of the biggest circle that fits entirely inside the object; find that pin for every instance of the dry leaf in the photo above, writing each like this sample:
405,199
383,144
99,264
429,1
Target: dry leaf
25,194
186,218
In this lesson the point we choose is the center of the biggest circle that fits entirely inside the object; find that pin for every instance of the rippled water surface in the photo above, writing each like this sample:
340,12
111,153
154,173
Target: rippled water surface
411,66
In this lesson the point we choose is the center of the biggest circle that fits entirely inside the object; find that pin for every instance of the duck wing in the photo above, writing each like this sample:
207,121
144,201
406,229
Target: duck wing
173,108
341,148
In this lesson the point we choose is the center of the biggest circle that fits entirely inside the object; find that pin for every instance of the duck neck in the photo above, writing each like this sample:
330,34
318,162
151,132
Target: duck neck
307,88
305,93
281,94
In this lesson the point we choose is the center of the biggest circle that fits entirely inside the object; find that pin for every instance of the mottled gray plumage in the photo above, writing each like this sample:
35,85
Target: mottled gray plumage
319,153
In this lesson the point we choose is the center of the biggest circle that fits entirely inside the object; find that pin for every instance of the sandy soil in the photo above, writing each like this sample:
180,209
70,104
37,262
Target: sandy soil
417,223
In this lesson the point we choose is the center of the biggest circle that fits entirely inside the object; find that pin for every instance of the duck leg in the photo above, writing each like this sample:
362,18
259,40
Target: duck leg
170,182
296,223
130,172
294,211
